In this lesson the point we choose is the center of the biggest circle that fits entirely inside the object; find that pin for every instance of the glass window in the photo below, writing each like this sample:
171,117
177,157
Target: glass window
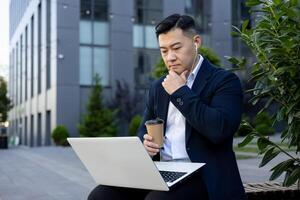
101,64
147,15
101,10
200,10
148,11
85,9
138,36
94,37
101,33
151,41
85,33
39,67
85,25
85,65
144,61
32,57
48,45
48,128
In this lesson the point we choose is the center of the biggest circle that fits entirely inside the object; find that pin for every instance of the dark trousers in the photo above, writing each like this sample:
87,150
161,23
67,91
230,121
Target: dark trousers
191,188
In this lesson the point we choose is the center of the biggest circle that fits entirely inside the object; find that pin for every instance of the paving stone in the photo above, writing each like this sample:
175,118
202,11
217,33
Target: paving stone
56,173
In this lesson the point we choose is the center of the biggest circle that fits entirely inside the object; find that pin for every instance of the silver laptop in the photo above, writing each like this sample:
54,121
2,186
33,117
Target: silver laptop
124,162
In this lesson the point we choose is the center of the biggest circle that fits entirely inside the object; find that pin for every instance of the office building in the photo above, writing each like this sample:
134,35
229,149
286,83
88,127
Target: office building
57,46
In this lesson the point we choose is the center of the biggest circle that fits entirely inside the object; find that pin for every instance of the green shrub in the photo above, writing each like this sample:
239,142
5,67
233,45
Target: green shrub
243,130
263,124
134,125
274,40
59,135
99,121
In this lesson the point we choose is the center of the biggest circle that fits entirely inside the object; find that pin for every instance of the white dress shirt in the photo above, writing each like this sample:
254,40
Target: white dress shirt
174,141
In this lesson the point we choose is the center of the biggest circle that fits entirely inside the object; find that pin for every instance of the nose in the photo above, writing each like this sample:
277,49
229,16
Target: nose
171,56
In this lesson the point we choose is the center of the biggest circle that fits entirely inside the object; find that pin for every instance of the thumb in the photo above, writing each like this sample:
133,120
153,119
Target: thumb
184,74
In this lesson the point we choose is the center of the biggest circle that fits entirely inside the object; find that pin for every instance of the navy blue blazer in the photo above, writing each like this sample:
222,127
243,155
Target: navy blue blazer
212,109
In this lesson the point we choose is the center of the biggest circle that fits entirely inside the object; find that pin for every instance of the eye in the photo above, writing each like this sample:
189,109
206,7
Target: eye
177,47
163,51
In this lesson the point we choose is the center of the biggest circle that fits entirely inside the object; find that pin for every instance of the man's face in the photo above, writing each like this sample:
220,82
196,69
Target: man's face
178,50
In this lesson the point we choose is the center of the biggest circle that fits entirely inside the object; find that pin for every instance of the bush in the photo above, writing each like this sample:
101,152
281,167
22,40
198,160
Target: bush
59,136
134,125
274,39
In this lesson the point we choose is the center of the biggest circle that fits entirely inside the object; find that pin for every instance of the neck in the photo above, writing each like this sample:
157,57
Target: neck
194,64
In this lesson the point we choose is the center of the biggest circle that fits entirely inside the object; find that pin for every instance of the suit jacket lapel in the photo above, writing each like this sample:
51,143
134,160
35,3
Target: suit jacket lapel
203,75
163,100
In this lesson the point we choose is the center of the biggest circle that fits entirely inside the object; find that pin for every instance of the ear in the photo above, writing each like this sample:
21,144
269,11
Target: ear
197,41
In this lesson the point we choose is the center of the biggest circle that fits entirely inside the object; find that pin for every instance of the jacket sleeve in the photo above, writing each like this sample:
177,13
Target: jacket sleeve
148,113
218,119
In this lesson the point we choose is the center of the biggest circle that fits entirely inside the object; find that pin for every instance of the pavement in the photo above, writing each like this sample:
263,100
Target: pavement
44,173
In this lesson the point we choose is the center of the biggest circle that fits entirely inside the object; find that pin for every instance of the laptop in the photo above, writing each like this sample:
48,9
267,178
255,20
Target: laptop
124,162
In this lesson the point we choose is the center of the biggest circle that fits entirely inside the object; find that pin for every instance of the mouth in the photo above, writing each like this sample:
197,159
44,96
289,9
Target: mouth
173,66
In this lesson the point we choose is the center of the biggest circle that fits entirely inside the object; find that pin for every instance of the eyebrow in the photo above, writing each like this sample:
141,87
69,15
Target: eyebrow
172,45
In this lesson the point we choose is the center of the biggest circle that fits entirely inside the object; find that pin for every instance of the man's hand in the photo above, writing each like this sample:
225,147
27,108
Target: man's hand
151,147
173,81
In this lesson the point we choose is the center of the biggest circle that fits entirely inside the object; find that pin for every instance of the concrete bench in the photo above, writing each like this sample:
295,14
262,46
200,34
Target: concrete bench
272,191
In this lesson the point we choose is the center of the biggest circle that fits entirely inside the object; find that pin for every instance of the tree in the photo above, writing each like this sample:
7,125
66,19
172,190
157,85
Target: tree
99,121
160,67
127,103
5,103
275,41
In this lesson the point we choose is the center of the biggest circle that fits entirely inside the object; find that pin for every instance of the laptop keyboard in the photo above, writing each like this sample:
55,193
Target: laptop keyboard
169,176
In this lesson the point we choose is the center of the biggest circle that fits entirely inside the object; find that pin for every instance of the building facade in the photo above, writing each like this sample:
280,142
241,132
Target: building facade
57,46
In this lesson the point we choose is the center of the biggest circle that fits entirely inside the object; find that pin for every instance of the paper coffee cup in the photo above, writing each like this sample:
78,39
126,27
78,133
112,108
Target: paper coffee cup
155,128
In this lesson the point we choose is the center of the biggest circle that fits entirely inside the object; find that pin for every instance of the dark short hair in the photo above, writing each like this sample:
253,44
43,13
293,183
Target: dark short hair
184,22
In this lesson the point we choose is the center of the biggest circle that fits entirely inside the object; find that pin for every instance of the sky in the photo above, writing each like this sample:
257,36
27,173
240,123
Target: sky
4,38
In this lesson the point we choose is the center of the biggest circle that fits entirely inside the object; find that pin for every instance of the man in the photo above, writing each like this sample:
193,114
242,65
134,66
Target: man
202,107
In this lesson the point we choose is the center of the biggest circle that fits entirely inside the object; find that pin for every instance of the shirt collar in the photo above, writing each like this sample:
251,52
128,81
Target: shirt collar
196,69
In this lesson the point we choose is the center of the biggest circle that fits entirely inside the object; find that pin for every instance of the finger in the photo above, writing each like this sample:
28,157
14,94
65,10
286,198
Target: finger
172,73
148,137
183,75
150,144
152,151
151,154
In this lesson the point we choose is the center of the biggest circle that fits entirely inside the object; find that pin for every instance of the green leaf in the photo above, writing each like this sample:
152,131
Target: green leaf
287,174
246,140
244,25
277,2
251,3
232,60
297,114
262,143
235,34
280,168
280,114
293,176
269,155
